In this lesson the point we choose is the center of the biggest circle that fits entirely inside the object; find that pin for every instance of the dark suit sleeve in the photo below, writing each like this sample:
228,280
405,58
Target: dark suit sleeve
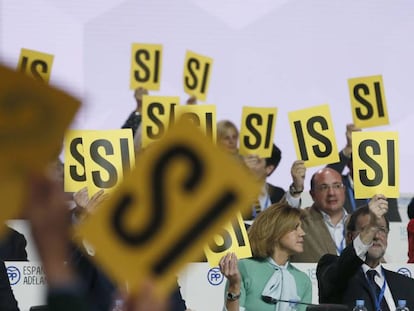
339,166
133,122
7,300
333,274
20,247
177,303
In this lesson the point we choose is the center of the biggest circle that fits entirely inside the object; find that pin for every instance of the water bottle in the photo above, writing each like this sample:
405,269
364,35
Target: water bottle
402,305
293,305
359,305
118,305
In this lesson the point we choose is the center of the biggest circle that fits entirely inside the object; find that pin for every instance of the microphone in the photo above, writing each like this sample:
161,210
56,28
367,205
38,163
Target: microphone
310,306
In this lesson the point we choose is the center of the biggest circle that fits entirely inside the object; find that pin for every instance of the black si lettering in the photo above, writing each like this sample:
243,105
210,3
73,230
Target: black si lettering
221,204
126,160
250,119
159,194
193,65
380,104
37,68
391,162
219,248
227,242
74,144
23,66
301,140
318,136
151,133
209,124
205,78
104,163
367,159
270,119
156,66
140,57
369,110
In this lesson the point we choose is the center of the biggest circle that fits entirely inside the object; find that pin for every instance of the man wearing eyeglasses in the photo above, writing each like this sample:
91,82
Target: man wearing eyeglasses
357,273
324,223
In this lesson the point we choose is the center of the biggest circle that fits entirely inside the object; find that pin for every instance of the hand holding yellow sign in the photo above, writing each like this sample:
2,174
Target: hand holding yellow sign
197,72
146,64
35,64
368,104
375,164
167,209
314,135
257,131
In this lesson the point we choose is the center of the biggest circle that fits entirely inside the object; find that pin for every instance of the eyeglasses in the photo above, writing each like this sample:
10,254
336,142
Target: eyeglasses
326,187
383,230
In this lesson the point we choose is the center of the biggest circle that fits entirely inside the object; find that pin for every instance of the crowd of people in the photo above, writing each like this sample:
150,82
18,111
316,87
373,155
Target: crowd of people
347,238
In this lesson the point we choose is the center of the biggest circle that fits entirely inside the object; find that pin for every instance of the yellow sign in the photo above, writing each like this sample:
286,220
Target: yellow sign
203,116
97,159
74,164
375,164
257,131
33,118
197,72
368,104
35,64
167,209
146,64
314,136
233,238
157,117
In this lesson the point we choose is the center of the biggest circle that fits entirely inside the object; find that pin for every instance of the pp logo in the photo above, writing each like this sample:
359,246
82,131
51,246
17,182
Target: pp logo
14,275
404,271
215,277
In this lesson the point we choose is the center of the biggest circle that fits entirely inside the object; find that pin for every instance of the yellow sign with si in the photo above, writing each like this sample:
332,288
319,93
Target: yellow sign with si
257,131
368,104
146,65
197,72
158,114
167,209
203,116
375,164
35,64
97,159
233,238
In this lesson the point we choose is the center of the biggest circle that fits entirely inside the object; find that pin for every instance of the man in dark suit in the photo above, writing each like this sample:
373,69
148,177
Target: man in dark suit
13,246
345,160
357,273
262,168
7,300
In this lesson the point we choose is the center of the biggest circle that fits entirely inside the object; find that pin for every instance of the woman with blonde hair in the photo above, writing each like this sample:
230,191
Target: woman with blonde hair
257,283
227,136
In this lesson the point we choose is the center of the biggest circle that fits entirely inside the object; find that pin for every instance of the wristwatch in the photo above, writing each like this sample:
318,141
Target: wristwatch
293,190
232,296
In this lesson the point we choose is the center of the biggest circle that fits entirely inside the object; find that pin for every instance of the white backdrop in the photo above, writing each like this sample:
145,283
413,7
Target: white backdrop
284,53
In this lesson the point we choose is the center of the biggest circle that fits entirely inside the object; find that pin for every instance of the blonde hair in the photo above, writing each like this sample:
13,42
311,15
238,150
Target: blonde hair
270,226
223,126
